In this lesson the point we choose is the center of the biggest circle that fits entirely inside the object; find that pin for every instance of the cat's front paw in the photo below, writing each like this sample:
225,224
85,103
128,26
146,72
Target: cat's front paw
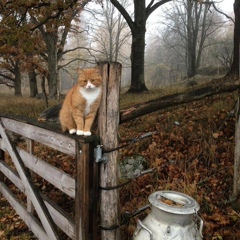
72,131
87,133
80,132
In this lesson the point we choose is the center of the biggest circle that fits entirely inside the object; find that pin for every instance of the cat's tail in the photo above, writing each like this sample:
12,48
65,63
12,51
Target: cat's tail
51,114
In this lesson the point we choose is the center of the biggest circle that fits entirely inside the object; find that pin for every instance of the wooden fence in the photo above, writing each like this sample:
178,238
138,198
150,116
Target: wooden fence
83,188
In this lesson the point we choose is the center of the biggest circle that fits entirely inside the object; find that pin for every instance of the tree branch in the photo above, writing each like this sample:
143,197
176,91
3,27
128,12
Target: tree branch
123,11
151,8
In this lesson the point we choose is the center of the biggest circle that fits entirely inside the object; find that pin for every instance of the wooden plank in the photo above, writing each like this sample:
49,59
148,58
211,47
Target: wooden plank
30,149
3,148
11,175
2,158
53,175
82,192
108,129
51,139
27,217
33,193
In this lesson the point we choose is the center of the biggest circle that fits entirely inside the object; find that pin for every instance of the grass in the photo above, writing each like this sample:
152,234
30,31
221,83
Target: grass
24,106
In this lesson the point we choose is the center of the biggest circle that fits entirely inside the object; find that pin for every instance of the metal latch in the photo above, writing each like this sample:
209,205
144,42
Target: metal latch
98,154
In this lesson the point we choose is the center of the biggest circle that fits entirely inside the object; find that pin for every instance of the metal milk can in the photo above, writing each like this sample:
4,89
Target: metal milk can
173,216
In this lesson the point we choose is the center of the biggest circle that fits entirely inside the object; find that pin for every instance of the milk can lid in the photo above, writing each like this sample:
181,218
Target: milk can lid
173,202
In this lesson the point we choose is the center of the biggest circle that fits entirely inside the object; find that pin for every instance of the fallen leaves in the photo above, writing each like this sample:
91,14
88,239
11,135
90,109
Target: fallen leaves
194,157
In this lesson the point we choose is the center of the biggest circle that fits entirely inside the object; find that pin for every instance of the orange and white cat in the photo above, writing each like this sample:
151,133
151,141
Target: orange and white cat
81,103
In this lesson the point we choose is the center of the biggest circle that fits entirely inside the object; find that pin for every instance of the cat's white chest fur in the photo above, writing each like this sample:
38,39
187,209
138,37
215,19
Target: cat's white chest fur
90,95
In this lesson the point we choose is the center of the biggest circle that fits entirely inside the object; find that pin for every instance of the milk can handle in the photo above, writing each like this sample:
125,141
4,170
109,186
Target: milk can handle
200,224
145,228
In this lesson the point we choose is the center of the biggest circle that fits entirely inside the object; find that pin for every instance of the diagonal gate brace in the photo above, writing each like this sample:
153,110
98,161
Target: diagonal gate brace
32,191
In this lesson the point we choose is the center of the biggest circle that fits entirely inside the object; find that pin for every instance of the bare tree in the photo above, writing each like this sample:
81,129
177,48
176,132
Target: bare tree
109,32
223,50
190,28
137,24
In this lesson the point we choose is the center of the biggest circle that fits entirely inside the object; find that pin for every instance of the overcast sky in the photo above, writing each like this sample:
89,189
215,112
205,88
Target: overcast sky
227,5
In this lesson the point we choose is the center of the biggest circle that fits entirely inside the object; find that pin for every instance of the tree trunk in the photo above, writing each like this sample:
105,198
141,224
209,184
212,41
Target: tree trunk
138,47
52,64
189,39
33,82
235,64
236,178
52,77
137,60
17,85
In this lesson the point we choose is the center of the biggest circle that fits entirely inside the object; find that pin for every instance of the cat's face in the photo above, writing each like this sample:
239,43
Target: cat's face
90,78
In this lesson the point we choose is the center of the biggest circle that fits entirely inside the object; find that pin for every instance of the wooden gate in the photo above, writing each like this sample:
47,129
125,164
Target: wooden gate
44,217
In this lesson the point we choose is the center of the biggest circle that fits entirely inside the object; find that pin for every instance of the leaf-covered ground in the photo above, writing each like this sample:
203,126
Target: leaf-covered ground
192,151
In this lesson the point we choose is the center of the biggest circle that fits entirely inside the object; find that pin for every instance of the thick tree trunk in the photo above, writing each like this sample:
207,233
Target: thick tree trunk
52,64
235,64
52,76
138,47
33,83
137,60
236,179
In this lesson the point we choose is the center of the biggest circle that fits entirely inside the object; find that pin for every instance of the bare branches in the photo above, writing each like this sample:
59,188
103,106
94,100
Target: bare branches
227,16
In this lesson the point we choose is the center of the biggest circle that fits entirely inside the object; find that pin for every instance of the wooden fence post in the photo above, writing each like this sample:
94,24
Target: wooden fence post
108,129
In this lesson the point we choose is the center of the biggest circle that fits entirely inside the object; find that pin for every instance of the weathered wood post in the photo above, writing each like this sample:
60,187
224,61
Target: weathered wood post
108,129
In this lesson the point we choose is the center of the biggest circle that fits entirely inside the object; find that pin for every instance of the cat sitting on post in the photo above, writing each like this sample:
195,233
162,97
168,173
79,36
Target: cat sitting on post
81,103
